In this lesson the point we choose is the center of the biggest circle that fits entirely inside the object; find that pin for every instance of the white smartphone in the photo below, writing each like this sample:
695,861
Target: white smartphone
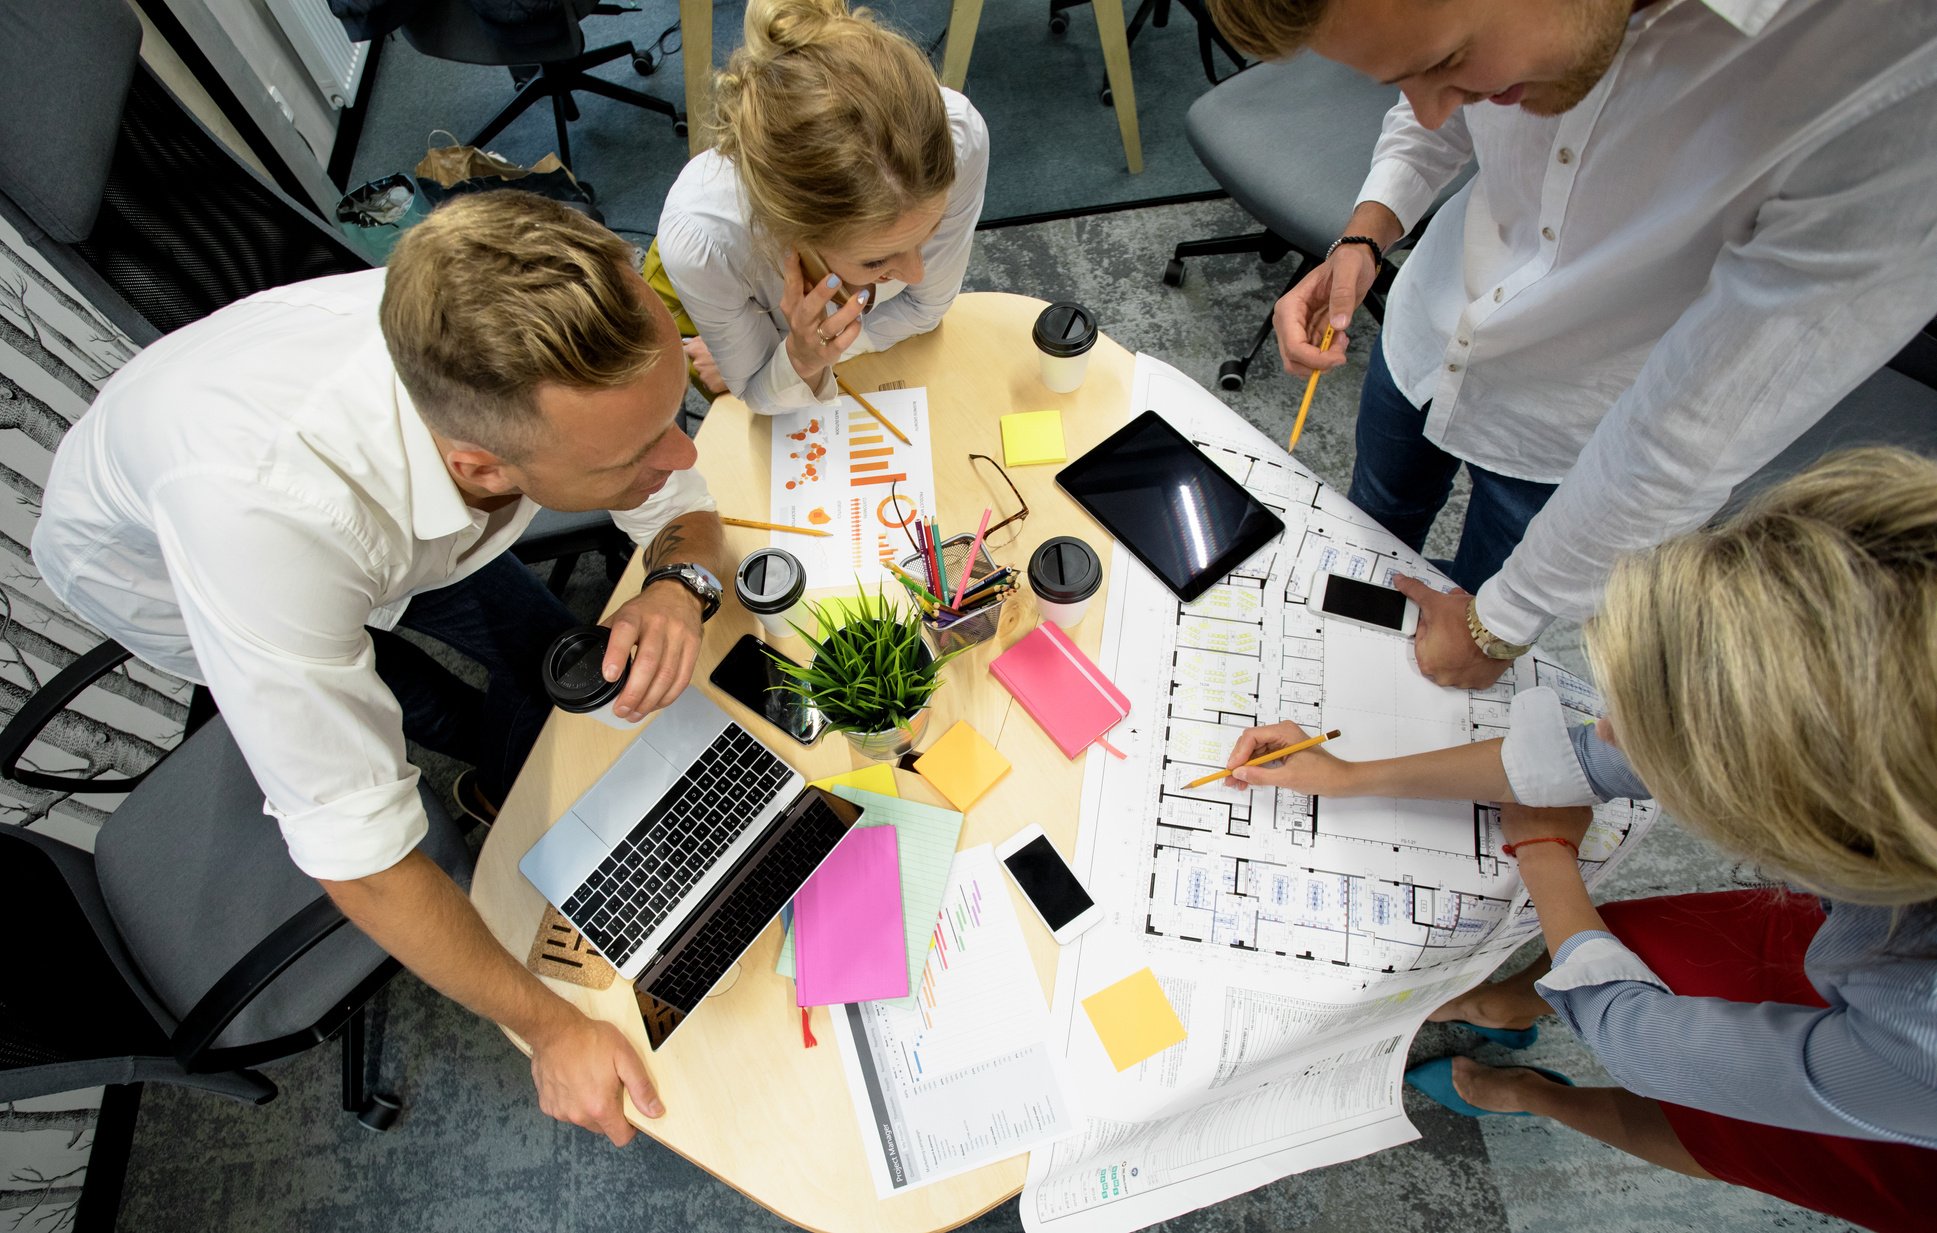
1048,883
1365,603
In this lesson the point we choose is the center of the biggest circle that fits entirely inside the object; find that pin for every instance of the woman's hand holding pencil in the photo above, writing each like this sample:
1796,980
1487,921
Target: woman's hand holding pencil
1306,767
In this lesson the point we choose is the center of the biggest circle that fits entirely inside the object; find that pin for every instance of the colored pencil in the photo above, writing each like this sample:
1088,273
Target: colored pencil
1311,387
869,407
974,548
912,582
773,526
1273,756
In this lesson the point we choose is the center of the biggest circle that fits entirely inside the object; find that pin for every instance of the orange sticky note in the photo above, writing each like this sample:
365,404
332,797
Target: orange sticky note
1133,1019
962,765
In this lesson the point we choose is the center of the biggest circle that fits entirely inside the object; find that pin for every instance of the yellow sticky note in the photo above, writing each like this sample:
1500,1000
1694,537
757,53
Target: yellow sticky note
1031,437
962,765
1134,1019
876,777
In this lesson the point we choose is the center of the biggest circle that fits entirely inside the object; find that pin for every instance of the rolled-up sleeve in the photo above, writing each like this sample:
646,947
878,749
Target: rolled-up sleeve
1411,162
684,493
1550,762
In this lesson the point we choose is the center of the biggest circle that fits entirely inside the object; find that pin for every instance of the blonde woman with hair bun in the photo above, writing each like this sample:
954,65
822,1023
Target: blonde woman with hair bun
1773,679
833,215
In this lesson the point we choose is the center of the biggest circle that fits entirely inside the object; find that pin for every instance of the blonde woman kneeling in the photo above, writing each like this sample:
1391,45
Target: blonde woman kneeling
1774,680
843,170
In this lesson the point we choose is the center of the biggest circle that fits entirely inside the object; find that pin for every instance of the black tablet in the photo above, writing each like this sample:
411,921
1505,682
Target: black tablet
1170,505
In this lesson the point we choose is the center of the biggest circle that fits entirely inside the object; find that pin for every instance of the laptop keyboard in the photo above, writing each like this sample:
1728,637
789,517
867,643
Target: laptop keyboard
749,904
637,885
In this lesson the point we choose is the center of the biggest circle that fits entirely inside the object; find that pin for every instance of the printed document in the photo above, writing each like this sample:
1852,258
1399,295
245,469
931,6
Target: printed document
835,468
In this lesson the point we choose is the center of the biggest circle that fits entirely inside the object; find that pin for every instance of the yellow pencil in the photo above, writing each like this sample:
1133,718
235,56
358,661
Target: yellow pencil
1311,387
1273,756
867,406
773,526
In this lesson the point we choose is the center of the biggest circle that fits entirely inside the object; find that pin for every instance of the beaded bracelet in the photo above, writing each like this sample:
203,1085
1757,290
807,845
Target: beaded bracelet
1512,849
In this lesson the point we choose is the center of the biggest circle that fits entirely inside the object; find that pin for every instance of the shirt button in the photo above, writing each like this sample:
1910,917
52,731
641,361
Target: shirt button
1464,343
1497,293
1452,368
1547,233
1566,155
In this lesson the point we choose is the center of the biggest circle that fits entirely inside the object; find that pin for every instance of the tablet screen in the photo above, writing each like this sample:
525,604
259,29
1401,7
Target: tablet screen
1170,505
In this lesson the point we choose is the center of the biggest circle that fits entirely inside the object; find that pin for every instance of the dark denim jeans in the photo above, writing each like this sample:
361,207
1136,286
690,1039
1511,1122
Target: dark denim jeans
1402,480
503,617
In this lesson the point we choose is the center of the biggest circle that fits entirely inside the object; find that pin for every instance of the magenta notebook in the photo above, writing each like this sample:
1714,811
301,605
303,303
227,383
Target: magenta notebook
1061,688
850,942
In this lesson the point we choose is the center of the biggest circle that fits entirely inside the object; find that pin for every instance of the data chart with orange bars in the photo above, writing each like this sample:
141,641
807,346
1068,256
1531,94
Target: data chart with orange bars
835,468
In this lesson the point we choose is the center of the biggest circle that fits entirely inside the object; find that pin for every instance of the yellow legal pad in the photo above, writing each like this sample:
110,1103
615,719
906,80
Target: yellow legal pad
1134,1019
876,777
962,765
1031,437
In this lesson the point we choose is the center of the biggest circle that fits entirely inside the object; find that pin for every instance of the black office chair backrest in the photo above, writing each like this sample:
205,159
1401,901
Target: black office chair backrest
498,32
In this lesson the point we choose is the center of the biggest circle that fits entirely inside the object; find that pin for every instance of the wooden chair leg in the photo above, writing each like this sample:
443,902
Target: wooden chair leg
963,17
696,53
1116,64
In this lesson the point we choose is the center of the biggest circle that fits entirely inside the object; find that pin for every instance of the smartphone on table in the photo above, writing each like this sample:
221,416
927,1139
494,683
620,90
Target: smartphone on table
1365,603
1048,883
750,675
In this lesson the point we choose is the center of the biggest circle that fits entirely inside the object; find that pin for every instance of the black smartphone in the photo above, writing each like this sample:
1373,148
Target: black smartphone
749,675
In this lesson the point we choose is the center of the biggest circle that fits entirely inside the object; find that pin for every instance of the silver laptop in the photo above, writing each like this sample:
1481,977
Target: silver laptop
674,830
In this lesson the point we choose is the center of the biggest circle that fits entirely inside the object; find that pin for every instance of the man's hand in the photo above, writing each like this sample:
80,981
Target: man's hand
1326,296
1443,646
660,629
580,1069
1313,772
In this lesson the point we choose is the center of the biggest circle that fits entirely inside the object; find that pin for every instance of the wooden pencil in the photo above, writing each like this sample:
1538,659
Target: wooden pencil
1273,756
773,526
1311,387
870,408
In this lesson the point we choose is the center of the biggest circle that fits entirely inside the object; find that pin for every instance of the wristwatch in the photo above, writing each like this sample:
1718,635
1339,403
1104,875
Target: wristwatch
695,578
1491,644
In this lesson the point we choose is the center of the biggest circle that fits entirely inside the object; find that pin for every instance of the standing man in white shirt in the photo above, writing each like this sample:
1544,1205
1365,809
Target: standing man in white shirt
1695,226
257,500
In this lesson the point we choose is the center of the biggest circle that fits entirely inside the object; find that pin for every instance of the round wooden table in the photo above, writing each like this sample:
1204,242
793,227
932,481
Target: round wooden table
744,1100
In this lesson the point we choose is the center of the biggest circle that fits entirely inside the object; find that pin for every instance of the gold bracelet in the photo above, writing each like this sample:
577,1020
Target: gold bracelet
1491,644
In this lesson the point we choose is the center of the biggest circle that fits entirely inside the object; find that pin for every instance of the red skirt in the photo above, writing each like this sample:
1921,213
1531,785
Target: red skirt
1751,950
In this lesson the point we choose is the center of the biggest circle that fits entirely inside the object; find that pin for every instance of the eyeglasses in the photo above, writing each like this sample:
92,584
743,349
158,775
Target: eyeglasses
1000,533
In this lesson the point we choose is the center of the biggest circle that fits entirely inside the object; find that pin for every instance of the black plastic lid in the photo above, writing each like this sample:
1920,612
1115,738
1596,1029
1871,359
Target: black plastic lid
770,580
1065,329
1065,570
573,670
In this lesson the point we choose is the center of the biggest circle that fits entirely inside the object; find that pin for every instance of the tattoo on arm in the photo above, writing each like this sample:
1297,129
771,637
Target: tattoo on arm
665,546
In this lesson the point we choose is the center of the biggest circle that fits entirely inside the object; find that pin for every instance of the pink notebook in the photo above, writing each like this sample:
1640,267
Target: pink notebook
1060,688
850,942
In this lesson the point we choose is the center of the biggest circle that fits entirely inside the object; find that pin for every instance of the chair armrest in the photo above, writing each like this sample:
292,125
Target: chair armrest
39,711
268,959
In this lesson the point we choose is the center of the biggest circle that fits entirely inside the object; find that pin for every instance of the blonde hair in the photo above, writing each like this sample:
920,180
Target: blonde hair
1774,678
835,124
1268,29
498,293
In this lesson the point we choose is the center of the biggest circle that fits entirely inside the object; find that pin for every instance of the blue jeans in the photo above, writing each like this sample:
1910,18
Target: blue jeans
1402,480
503,617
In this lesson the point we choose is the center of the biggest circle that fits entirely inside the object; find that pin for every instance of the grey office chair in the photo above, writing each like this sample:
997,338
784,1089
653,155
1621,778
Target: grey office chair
1291,143
188,948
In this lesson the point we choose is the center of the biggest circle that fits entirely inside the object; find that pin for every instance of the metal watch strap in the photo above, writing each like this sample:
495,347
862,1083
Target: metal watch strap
1491,644
1378,254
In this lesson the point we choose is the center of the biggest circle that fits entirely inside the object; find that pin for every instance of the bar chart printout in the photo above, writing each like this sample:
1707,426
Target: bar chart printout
836,469
964,1078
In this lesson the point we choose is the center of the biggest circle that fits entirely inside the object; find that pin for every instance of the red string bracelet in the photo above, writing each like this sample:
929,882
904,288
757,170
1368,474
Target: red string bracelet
1512,849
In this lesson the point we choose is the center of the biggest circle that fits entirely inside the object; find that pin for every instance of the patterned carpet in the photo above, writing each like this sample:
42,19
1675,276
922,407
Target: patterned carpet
473,1153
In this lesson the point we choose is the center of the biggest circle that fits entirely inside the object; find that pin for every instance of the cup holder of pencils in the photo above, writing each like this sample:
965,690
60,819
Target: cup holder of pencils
957,615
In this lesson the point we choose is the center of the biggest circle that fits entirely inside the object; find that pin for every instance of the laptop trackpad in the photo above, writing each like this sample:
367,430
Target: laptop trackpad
636,781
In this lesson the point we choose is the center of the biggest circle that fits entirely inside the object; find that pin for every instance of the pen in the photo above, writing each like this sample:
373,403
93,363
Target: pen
1311,387
1273,756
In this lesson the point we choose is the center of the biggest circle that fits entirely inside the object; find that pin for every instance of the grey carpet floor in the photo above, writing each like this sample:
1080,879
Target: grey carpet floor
473,1153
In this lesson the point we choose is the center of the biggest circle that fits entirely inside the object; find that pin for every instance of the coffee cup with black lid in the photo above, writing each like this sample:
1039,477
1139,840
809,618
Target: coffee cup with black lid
769,584
1064,334
574,675
1064,572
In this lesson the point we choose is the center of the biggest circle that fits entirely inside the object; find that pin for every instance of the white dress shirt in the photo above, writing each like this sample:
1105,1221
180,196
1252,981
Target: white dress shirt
242,499
1648,297
731,286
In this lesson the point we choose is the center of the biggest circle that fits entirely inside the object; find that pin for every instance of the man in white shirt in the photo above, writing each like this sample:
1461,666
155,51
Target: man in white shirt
1695,226
256,500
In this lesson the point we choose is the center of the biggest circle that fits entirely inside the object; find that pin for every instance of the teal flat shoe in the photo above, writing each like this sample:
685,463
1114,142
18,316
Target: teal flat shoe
1512,1038
1435,1078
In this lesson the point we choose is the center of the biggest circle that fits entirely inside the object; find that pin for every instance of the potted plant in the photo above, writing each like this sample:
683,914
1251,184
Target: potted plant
871,674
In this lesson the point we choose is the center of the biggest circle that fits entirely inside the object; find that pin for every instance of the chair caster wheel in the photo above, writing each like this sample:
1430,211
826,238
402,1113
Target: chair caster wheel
1174,272
679,127
1230,375
1058,24
1106,96
380,1114
644,64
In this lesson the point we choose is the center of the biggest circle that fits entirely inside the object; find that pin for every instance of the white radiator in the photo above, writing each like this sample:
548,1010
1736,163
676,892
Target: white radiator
331,58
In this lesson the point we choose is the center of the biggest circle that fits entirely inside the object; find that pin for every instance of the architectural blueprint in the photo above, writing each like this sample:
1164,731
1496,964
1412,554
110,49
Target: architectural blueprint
1301,940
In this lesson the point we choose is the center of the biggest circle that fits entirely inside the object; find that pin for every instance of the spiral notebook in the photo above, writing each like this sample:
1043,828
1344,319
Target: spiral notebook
1061,688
